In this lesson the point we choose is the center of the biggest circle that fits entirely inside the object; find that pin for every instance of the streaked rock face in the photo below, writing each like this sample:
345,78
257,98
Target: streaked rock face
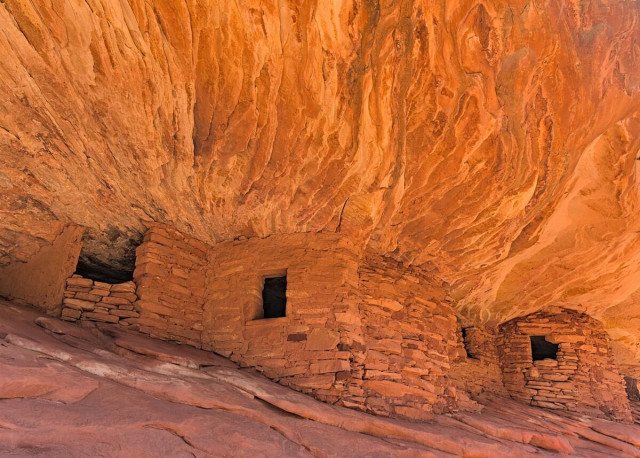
495,144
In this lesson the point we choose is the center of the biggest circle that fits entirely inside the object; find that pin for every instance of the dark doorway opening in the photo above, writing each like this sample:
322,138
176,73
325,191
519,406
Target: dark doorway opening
274,297
467,347
541,348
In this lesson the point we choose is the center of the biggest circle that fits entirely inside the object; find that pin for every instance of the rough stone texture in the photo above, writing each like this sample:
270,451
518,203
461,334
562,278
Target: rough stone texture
493,141
301,349
154,399
366,332
584,376
170,278
40,280
363,331
321,271
85,299
475,363
407,334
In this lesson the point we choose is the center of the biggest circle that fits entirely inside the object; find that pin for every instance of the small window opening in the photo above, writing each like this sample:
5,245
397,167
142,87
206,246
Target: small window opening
541,348
467,347
274,297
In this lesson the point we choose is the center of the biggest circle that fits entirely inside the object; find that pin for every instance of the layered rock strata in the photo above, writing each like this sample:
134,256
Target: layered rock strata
493,142
174,400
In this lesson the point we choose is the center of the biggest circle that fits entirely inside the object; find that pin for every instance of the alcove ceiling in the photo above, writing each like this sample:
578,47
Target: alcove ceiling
494,144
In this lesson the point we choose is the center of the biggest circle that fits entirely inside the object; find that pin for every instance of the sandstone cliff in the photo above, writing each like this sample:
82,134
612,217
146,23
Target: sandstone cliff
494,143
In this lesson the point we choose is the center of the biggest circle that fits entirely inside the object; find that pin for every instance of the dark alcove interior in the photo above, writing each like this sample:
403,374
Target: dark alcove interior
465,342
541,348
274,297
109,257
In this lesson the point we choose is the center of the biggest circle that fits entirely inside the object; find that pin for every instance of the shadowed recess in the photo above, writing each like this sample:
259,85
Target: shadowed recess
541,348
274,297
114,265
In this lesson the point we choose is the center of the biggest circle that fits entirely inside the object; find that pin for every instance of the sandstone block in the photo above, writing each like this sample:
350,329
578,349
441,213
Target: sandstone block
389,304
328,365
88,297
128,287
314,382
101,285
124,313
322,339
79,289
115,300
79,281
131,297
387,346
78,304
71,313
348,318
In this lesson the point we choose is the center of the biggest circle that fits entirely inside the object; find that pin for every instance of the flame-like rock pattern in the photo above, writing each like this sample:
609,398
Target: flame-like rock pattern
493,143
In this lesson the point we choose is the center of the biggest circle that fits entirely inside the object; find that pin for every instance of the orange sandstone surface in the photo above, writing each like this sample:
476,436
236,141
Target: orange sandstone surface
442,183
495,143
99,390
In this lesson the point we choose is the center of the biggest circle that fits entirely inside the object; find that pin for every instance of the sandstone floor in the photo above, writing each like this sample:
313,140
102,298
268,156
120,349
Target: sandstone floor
67,390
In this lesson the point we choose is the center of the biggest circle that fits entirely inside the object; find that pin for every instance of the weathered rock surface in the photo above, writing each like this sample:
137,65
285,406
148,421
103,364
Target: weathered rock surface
98,390
494,142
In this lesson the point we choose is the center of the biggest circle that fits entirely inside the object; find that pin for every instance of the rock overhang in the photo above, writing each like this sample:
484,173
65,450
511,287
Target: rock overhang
509,169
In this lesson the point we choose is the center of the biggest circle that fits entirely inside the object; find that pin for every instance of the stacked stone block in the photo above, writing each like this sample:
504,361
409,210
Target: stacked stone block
361,330
407,332
366,332
304,349
170,277
582,378
475,363
86,299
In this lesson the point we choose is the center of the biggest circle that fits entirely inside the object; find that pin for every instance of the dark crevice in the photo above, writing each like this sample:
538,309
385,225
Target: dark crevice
467,346
631,386
96,270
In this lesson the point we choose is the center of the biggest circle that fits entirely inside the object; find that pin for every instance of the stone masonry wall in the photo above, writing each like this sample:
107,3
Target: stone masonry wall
170,277
583,378
85,299
475,363
41,280
301,350
364,331
407,332
370,333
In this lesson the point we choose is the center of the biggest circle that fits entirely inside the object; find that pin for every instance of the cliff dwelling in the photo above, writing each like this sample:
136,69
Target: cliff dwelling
339,228
561,359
